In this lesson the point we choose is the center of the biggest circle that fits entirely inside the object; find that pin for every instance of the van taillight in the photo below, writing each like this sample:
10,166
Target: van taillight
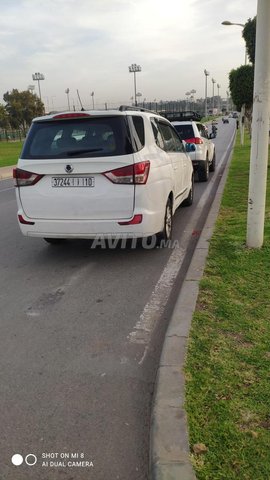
25,179
25,222
134,221
196,140
136,174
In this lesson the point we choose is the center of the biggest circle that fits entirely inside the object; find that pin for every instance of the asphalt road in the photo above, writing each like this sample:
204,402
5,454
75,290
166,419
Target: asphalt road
81,335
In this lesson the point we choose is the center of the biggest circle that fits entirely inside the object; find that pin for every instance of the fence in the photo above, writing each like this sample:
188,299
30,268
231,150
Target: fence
11,135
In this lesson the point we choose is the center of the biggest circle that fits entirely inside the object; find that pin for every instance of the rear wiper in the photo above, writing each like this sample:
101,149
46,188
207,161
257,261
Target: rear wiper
72,153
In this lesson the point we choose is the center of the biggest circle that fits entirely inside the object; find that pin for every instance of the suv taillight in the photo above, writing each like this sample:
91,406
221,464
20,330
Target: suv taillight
136,174
25,179
196,140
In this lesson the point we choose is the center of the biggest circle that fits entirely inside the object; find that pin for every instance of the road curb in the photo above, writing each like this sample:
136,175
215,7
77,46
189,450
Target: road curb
6,172
169,444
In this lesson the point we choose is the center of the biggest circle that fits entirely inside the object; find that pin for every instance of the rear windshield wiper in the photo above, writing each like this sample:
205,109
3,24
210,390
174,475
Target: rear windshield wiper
72,153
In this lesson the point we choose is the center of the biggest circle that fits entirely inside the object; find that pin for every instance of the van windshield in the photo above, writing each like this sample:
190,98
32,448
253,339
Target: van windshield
95,136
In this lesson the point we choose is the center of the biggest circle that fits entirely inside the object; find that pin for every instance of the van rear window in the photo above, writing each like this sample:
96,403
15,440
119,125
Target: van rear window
185,131
91,137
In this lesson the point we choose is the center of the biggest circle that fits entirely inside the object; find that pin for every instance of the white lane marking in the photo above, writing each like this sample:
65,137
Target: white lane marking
155,307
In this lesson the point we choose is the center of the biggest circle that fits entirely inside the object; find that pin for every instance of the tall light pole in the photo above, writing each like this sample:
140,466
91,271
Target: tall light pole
67,92
227,93
37,77
206,73
192,96
53,96
218,87
93,101
213,100
134,68
260,129
139,94
31,88
187,95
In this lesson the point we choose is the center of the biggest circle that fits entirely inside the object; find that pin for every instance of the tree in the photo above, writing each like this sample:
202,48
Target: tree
4,121
241,86
22,107
249,35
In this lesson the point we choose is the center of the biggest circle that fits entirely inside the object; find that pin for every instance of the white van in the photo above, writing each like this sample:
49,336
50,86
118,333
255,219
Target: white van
101,173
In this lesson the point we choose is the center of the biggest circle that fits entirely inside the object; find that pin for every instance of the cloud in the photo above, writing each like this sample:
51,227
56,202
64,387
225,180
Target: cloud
89,44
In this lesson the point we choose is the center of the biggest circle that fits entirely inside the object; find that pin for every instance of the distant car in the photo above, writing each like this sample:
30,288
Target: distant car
225,120
102,174
204,155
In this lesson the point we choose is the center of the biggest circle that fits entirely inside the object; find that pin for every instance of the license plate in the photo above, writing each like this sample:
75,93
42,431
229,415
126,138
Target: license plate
73,181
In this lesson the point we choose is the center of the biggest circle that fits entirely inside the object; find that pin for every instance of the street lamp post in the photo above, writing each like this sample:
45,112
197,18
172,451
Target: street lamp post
227,23
213,100
218,87
227,106
242,117
187,95
31,88
206,73
139,94
52,97
134,68
37,77
67,92
93,101
192,97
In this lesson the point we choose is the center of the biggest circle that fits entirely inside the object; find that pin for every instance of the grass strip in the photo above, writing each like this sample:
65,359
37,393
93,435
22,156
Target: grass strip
9,153
228,362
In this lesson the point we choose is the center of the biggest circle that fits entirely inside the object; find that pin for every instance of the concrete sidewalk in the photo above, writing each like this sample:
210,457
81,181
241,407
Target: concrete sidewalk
6,172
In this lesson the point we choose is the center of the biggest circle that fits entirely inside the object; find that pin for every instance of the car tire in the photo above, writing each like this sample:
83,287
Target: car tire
189,200
203,171
54,241
166,234
212,167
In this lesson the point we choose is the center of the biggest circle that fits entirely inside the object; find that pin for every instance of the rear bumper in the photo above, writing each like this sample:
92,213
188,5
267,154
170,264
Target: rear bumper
152,223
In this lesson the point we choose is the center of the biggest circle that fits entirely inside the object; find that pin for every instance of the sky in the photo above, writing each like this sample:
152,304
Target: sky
88,45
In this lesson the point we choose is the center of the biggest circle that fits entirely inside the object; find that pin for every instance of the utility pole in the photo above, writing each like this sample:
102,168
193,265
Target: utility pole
206,73
38,77
80,99
67,92
260,129
93,101
213,99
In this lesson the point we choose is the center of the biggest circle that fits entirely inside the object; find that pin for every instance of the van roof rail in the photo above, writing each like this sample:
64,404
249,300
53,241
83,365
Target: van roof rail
123,108
180,116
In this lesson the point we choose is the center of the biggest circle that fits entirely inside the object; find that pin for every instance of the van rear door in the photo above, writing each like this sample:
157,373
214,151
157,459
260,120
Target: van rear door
72,155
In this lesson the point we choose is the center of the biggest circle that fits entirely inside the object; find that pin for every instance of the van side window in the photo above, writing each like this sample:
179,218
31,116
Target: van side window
138,131
157,134
178,144
169,142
